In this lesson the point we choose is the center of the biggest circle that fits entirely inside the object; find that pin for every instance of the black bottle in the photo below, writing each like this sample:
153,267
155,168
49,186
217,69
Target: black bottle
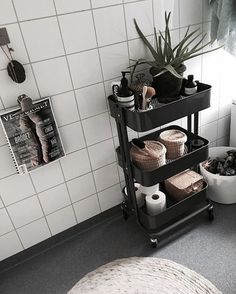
124,90
190,86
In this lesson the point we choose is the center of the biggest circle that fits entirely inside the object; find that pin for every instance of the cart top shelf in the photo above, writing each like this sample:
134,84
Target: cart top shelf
164,113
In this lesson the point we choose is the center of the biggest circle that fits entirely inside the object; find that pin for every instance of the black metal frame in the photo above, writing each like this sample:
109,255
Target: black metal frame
181,212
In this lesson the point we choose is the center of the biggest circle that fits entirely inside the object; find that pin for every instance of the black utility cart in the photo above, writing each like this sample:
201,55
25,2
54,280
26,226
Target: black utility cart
176,213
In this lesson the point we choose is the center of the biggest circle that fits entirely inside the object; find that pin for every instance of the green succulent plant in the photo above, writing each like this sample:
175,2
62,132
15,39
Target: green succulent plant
169,58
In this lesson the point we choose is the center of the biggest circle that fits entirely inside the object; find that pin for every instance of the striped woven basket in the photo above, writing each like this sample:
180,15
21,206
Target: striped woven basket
149,158
174,142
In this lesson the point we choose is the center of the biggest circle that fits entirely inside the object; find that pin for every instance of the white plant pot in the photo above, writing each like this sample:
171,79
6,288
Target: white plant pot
222,189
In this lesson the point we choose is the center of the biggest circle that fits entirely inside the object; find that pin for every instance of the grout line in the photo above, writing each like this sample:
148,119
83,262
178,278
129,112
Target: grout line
36,194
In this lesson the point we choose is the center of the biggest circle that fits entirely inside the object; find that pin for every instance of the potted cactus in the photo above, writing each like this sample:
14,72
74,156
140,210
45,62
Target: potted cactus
167,66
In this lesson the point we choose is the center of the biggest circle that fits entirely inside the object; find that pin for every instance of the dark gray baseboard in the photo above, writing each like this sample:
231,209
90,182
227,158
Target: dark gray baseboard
58,238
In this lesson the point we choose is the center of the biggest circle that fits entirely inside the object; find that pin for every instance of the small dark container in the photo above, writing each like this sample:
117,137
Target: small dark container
196,144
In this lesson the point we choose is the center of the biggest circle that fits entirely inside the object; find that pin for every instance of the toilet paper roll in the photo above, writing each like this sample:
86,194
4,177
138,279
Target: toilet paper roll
155,203
149,190
140,197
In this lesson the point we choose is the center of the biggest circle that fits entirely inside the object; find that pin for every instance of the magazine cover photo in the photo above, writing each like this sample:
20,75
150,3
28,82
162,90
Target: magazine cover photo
32,134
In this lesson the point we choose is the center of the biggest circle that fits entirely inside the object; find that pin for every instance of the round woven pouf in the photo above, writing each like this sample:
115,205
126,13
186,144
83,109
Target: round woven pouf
143,275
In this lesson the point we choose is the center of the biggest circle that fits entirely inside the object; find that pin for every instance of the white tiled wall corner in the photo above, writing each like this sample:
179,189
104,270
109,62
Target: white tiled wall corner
87,208
61,220
34,233
54,199
81,187
71,50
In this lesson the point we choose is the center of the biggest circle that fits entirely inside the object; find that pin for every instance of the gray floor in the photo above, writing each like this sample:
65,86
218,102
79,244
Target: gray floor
208,248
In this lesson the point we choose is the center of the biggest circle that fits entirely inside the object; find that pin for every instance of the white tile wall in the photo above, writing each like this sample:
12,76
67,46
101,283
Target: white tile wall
25,211
72,53
61,220
29,9
34,233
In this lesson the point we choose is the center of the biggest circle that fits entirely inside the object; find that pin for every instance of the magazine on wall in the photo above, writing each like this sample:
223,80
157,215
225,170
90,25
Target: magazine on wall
32,134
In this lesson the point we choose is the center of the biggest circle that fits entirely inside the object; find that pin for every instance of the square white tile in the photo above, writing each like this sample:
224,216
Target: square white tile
16,43
81,187
65,6
105,156
114,59
209,131
75,164
162,6
72,137
61,220
142,12
34,233
5,222
223,141
86,208
25,211
54,199
10,245
85,34
43,39
91,100
52,76
223,127
10,90
106,176
10,191
7,13
29,9
97,128
7,165
65,108
190,12
102,3
85,68
47,176
110,197
115,31
206,8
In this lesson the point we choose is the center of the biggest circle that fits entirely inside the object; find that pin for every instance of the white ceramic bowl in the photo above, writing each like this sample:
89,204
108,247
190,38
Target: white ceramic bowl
222,189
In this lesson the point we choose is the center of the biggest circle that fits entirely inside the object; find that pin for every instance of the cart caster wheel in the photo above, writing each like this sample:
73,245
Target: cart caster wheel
125,215
154,242
210,213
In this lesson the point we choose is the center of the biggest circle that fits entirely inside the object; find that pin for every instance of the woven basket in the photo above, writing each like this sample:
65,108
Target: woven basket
184,184
149,158
174,142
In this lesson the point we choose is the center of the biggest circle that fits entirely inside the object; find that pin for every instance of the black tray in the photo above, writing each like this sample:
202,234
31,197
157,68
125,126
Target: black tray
173,212
164,113
186,161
